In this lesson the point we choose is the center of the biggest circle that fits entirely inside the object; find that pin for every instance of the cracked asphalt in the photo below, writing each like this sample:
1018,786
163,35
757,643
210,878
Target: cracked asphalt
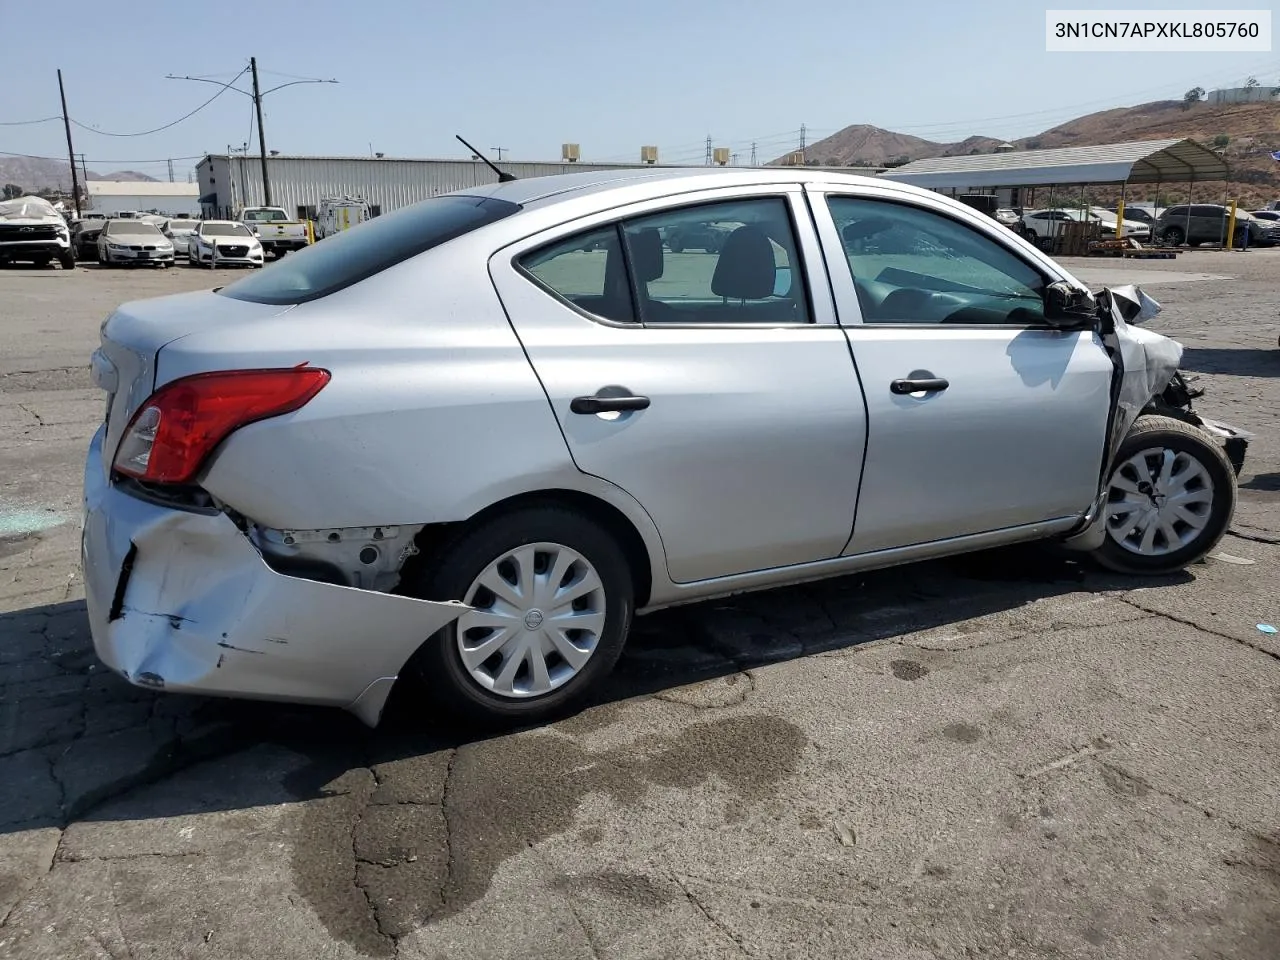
1010,754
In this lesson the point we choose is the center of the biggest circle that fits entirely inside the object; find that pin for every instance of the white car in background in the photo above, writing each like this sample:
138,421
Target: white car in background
1048,223
133,242
179,231
223,243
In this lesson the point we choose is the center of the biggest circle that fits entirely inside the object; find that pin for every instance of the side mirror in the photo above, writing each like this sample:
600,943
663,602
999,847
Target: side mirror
1068,307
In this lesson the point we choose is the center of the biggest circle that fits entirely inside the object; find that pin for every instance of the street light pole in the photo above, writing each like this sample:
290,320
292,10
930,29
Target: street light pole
256,96
262,137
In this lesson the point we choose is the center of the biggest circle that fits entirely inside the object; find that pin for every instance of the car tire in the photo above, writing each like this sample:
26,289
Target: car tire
1198,468
468,691
676,246
1173,236
41,261
67,259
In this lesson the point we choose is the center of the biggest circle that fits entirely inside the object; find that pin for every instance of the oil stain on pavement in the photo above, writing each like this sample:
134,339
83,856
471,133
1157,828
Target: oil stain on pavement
375,862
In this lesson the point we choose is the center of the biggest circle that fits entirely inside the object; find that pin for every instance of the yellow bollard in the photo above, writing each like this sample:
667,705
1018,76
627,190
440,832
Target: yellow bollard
1231,228
1120,220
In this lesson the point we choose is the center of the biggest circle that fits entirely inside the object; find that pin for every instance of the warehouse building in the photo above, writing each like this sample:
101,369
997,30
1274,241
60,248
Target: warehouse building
111,197
298,184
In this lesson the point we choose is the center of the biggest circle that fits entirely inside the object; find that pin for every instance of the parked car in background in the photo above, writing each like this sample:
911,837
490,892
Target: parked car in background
1136,214
84,237
223,243
708,237
32,231
1137,229
1198,223
278,232
1007,216
336,214
133,243
179,231
446,445
1272,215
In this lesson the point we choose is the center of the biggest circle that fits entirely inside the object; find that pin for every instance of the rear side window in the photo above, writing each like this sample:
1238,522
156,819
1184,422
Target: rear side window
352,255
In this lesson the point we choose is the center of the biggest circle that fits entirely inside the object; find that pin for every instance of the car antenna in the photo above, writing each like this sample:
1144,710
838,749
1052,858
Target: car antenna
502,177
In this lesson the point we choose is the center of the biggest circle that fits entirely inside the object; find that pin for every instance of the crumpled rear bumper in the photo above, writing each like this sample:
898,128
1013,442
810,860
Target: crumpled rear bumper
182,601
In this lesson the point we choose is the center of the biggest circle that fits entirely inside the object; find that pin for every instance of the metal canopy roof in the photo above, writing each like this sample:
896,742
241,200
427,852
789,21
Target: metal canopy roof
1139,161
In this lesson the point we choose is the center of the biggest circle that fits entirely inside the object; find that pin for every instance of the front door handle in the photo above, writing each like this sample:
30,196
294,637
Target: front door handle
604,404
930,385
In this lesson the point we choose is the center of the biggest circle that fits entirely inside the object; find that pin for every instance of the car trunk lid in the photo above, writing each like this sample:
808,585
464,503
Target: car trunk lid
124,366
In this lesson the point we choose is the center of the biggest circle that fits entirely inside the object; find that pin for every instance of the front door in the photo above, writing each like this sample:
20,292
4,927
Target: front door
981,417
713,385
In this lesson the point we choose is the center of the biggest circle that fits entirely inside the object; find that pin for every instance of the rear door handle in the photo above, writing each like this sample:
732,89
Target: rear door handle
599,404
931,385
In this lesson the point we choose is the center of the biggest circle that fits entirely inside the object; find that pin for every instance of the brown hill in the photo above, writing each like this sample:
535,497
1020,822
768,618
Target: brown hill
34,173
862,145
1245,133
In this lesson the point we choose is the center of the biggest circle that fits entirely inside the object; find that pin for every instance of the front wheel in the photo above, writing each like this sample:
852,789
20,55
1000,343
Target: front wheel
1173,236
552,599
1170,498
68,259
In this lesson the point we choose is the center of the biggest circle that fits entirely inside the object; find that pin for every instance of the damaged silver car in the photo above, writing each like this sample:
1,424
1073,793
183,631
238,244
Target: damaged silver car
465,442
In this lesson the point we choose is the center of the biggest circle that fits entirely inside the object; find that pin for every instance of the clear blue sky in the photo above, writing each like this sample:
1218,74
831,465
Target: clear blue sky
609,74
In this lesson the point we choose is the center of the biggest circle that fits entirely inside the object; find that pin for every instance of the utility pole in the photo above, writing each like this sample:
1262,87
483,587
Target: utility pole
262,137
71,151
501,151
171,171
709,151
753,153
802,143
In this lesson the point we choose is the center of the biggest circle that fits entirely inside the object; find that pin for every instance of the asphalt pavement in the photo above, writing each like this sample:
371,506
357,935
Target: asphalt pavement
1009,754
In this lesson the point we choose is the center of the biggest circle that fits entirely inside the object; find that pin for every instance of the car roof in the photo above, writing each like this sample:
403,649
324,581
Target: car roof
665,181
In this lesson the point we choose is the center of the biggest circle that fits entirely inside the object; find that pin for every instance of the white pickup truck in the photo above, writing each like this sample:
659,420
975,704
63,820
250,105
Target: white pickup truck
275,229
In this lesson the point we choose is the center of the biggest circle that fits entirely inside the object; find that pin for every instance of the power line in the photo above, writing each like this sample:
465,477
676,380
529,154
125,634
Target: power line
26,123
34,156
187,116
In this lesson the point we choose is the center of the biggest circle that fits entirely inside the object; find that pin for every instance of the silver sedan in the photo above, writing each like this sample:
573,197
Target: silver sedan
464,443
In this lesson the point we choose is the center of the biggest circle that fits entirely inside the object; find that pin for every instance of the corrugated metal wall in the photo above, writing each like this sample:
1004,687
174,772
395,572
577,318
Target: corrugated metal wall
304,181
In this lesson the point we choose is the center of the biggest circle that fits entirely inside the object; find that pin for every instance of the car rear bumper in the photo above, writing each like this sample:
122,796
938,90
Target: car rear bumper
182,601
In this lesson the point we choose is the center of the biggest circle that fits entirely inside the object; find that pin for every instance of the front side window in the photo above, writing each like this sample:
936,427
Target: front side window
726,262
911,265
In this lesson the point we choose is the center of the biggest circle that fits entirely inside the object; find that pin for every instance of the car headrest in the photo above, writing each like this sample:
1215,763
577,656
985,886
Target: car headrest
646,254
745,269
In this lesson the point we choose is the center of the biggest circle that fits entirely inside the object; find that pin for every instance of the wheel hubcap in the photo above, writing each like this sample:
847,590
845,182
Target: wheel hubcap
1158,502
538,615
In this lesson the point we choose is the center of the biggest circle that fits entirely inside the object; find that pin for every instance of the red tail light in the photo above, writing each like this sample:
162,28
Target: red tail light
178,427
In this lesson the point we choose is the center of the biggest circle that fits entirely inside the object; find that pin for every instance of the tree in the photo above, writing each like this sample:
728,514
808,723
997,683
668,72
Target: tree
12,191
1194,95
1251,82
1221,140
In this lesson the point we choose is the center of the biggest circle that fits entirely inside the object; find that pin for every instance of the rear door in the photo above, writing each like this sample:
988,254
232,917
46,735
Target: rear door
981,418
714,387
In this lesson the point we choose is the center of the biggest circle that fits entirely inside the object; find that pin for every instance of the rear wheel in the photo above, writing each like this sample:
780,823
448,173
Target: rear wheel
1173,236
1170,498
552,599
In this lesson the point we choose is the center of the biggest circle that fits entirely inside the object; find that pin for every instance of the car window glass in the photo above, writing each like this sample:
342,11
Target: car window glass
728,262
588,271
911,265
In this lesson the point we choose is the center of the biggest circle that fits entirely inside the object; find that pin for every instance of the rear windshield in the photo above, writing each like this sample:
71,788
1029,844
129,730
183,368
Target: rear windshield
265,216
357,253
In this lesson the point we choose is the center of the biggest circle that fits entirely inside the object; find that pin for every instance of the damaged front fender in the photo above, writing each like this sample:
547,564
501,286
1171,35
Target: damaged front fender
196,609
